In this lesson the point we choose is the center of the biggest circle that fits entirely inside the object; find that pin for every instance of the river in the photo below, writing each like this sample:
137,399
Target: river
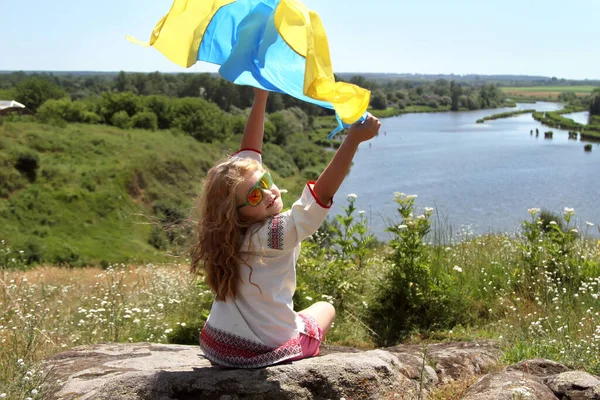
480,178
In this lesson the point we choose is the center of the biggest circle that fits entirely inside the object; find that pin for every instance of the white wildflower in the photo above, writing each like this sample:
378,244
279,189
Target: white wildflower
588,223
402,227
552,223
533,211
457,268
308,298
352,196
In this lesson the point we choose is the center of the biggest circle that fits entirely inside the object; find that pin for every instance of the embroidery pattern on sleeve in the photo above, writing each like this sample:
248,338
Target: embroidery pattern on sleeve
275,227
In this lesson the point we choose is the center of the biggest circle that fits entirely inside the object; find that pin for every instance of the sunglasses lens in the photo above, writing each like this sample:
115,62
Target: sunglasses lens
255,197
266,182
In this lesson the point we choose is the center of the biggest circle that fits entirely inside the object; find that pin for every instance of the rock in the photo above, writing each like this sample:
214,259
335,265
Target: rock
509,385
538,367
144,371
574,385
454,360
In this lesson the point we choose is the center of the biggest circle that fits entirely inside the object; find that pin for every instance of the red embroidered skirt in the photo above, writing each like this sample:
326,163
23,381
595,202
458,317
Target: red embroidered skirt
231,350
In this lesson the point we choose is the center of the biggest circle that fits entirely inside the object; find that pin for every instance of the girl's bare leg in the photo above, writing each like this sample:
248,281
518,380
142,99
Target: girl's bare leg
323,313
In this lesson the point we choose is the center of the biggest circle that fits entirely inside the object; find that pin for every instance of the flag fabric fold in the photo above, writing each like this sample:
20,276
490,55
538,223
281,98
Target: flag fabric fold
276,45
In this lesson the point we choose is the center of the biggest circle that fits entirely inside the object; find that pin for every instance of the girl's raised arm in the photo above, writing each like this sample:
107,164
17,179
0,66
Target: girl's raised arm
255,126
333,175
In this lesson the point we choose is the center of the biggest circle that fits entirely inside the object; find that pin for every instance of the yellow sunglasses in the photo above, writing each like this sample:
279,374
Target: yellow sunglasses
255,194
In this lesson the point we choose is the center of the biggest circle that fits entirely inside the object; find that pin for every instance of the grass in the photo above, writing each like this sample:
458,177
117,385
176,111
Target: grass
561,89
530,312
545,93
48,309
504,115
95,193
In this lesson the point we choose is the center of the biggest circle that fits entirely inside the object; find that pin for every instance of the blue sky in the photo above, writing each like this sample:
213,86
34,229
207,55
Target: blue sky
531,37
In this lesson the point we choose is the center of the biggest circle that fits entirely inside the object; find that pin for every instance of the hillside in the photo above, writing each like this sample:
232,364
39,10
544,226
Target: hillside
91,194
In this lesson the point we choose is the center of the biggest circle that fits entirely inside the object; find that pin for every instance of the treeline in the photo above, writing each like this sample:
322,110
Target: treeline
434,94
33,89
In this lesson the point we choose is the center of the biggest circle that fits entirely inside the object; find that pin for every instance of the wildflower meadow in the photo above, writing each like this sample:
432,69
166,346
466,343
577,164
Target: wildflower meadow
535,292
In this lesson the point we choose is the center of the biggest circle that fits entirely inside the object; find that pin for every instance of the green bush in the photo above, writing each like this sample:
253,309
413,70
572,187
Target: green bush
35,91
204,121
145,120
120,119
410,296
113,103
90,117
28,164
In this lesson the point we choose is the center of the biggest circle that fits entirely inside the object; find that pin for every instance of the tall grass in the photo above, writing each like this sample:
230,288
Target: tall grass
535,291
49,309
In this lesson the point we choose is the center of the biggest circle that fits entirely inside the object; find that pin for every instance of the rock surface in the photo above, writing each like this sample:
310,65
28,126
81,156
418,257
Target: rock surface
509,386
166,372
145,371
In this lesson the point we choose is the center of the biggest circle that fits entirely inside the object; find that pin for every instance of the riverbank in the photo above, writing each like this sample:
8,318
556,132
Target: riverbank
554,119
394,111
504,115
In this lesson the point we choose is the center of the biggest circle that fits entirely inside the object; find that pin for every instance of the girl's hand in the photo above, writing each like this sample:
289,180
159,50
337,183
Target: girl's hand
365,130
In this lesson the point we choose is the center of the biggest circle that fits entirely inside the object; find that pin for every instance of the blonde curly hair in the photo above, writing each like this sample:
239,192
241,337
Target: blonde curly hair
220,229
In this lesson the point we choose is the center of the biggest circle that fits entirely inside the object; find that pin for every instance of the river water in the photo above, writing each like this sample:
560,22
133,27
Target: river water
480,178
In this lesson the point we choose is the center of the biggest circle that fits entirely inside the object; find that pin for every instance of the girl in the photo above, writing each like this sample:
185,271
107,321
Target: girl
248,249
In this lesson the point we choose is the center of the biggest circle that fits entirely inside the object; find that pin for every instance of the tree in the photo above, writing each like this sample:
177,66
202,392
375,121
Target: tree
595,104
379,100
145,120
33,92
455,93
204,121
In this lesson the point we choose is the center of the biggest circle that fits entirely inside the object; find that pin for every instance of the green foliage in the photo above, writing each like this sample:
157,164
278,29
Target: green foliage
121,119
202,120
336,265
67,110
286,123
113,103
595,103
548,253
28,164
145,120
379,100
33,92
504,115
410,296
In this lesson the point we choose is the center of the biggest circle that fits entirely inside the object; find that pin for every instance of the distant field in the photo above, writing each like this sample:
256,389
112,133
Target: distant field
548,91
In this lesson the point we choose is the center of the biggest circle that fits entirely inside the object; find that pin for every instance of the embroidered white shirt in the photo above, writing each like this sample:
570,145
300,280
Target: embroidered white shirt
263,309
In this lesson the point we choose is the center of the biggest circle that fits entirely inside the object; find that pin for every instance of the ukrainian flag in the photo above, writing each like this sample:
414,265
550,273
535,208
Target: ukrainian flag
276,45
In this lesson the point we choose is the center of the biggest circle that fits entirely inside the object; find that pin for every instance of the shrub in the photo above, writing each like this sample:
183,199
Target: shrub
90,117
202,120
112,103
121,120
145,120
35,91
28,164
409,296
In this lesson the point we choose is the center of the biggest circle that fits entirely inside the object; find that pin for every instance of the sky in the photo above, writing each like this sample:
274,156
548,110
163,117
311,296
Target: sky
516,37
